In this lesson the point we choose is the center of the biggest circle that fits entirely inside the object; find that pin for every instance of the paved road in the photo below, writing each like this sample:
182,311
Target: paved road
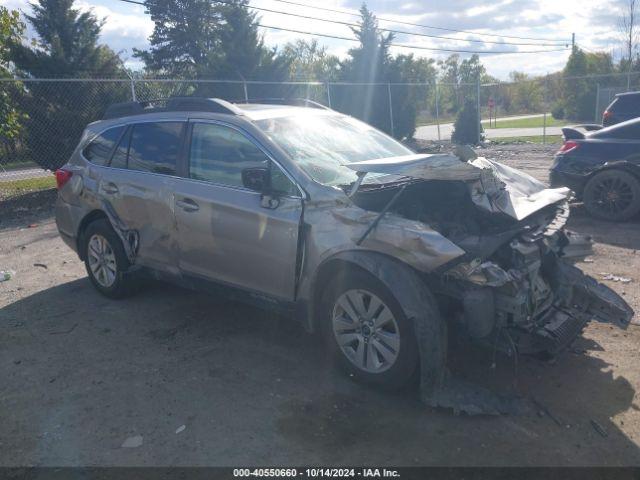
430,132
9,175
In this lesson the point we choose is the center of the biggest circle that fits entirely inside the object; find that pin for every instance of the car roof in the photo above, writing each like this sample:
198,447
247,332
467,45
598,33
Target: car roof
627,94
232,112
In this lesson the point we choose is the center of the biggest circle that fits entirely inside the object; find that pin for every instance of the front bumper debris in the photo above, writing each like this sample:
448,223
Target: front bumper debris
581,299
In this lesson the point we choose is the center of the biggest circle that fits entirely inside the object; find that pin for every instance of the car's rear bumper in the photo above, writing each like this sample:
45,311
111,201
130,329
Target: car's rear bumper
67,216
558,178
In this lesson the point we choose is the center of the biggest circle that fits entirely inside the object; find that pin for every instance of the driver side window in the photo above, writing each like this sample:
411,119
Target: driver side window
219,154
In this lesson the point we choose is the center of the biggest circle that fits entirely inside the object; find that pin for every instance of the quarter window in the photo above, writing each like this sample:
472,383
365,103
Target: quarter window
154,147
99,150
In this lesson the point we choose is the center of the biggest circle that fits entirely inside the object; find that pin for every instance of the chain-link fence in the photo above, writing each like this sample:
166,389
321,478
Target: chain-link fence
41,120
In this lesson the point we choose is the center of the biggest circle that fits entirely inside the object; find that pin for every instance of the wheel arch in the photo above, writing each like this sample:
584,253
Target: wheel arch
414,297
622,165
89,218
402,280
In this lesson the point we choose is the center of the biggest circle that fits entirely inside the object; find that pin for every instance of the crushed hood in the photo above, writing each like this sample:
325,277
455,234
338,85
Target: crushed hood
493,186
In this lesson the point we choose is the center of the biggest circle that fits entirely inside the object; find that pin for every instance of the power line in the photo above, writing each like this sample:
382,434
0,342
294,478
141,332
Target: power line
345,12
401,32
413,47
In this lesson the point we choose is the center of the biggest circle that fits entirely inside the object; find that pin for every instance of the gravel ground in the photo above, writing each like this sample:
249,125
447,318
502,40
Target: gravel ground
82,375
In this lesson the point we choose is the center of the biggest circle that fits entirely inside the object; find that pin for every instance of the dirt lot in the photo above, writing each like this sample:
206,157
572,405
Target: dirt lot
82,374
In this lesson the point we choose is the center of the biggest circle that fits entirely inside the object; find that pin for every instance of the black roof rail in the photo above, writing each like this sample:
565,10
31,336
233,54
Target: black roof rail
201,104
124,109
287,101
172,104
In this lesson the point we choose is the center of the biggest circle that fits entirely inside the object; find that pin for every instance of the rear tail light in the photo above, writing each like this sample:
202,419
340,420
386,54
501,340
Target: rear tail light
62,177
606,115
568,146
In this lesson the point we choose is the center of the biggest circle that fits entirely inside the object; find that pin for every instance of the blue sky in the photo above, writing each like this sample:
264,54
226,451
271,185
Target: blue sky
593,21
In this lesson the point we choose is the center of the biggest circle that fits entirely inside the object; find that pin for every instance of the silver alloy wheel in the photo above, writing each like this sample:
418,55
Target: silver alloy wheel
366,331
102,260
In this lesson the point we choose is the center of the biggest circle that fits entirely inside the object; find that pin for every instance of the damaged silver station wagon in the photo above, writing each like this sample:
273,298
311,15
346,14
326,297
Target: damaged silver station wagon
384,251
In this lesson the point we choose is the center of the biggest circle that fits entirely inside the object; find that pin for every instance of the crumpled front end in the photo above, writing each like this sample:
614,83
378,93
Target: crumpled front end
509,285
526,298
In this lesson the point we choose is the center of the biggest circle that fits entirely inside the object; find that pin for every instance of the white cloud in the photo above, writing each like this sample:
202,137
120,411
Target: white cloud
594,24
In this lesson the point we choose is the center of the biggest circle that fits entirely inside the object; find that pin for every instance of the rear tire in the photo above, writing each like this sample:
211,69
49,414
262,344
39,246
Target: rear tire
375,343
106,261
612,195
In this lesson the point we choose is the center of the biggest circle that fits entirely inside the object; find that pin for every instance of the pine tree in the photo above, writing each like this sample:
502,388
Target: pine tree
576,90
185,41
200,39
67,44
66,47
368,63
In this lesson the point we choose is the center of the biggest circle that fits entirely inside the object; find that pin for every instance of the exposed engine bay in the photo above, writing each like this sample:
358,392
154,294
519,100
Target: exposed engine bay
511,289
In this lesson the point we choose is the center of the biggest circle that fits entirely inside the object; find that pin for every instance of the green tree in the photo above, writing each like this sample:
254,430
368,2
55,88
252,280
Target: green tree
202,40
11,118
309,61
367,63
67,46
459,78
526,93
466,129
185,41
409,99
578,97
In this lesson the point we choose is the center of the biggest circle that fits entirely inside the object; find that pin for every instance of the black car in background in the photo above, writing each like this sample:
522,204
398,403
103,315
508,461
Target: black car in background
625,106
602,168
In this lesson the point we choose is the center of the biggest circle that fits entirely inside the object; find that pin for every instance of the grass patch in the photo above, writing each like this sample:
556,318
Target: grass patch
533,122
18,187
550,139
17,165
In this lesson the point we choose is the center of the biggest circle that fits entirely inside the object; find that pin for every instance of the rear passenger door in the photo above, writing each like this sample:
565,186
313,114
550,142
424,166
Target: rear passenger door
225,232
139,187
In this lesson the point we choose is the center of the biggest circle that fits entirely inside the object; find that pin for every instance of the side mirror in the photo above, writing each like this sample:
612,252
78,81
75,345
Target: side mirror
256,178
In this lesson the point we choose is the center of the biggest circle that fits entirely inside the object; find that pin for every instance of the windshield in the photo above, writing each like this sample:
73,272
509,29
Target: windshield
323,144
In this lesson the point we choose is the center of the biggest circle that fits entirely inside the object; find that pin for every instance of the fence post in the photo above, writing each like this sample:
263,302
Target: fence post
328,85
597,103
246,92
393,133
308,87
133,86
133,90
437,111
479,115
546,107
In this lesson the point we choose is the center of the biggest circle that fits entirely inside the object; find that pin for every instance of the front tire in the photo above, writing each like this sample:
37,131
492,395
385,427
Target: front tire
106,261
367,331
612,195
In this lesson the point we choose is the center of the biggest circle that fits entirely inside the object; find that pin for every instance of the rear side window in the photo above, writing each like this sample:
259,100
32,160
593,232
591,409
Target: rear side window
99,150
154,147
626,104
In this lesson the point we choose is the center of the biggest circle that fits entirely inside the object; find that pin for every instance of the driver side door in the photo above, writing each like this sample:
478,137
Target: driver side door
226,233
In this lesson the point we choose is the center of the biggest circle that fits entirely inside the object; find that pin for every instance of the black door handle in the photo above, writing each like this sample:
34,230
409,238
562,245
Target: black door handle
188,205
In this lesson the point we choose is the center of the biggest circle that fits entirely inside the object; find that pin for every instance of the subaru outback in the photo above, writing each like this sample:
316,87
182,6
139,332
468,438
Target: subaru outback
308,211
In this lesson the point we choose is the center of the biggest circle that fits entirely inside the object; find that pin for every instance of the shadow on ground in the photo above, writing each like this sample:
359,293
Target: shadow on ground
618,234
83,373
